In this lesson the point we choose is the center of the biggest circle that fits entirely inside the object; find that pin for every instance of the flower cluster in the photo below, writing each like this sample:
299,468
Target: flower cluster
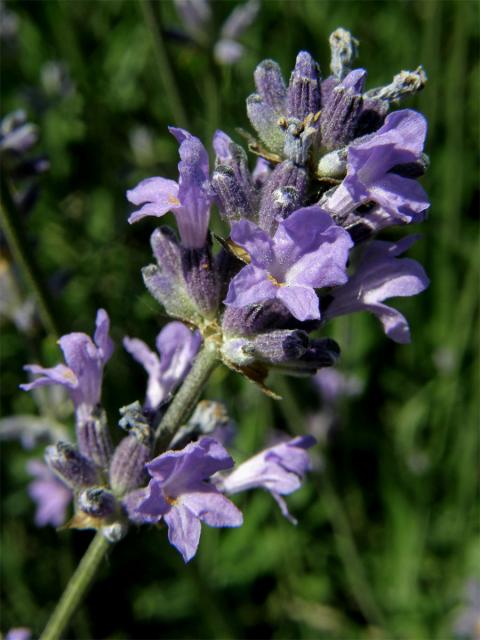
108,485
334,168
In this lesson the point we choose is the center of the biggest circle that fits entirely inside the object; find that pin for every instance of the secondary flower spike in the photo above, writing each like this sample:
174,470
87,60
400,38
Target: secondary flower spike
189,198
308,251
179,493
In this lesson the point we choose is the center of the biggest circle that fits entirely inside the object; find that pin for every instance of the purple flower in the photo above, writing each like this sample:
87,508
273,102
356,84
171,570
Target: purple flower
180,493
189,199
371,171
381,275
467,624
308,251
279,470
334,385
18,633
177,347
51,495
85,358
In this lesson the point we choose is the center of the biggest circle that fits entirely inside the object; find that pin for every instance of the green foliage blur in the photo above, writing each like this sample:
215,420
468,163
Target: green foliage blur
388,524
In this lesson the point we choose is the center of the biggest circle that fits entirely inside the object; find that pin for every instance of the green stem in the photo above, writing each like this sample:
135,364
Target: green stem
12,227
164,68
184,401
76,588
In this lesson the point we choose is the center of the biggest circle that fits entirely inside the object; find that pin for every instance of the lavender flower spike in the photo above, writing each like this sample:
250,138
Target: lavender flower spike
85,359
180,493
308,251
177,347
189,199
374,171
279,470
380,276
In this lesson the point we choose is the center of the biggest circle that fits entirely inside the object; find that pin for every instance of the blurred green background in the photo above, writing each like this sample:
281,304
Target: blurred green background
388,526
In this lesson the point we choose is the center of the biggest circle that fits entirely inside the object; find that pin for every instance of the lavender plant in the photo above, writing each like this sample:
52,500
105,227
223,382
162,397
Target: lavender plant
334,168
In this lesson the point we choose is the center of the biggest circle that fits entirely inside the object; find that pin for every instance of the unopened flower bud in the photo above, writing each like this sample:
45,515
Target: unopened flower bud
93,436
285,201
127,470
339,117
70,465
201,279
280,346
286,174
270,85
265,121
304,88
232,198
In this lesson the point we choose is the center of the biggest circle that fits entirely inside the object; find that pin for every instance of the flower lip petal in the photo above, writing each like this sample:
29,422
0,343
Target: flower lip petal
183,531
255,241
251,285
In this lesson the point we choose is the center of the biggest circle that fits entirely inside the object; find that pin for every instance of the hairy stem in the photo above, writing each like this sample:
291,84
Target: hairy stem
23,256
182,404
184,401
76,588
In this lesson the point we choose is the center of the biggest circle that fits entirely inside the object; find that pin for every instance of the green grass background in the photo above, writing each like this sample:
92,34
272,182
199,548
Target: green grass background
388,530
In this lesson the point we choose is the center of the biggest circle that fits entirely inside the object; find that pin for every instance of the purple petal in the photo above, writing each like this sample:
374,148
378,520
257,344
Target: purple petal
355,80
50,494
256,242
19,633
179,471
157,390
249,286
152,502
142,354
60,374
279,468
193,193
284,508
213,508
240,19
394,323
177,346
397,194
159,194
410,125
183,531
102,338
301,301
132,501
227,51
221,145
380,276
312,249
